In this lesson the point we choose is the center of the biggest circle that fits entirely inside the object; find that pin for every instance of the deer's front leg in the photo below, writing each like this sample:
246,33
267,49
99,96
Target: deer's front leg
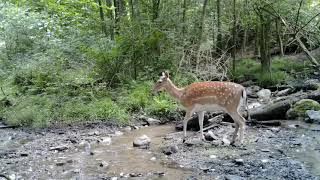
201,117
185,124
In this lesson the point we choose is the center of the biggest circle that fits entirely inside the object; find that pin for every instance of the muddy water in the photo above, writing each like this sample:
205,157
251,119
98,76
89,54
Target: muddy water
124,159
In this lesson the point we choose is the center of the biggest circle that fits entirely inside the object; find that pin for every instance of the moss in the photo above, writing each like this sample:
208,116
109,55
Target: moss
297,111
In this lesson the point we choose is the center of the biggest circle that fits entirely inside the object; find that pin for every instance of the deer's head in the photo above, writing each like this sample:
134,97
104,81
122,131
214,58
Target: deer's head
161,83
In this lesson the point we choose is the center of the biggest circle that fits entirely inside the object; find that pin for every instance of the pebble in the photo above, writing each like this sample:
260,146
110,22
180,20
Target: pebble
127,129
265,160
118,133
106,140
104,164
239,161
153,159
213,156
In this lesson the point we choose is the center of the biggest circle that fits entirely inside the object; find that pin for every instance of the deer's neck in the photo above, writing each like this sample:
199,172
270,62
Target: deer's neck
173,90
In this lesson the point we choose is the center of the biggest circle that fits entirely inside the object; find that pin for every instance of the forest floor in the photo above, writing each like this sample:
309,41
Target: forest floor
103,151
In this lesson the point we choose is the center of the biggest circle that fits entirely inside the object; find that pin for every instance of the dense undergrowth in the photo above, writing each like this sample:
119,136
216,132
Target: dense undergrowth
39,98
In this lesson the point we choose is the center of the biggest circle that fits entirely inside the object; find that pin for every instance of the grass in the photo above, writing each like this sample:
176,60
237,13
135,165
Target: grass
41,104
282,70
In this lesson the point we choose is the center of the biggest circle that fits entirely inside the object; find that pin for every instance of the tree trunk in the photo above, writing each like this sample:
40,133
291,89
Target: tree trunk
203,14
103,23
219,36
131,4
184,7
257,42
118,12
306,51
234,37
278,109
155,8
278,27
111,17
264,46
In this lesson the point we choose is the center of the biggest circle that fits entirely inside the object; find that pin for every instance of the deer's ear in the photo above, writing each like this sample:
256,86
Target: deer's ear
166,73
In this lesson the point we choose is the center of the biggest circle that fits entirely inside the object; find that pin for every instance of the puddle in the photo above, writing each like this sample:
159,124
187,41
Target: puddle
123,158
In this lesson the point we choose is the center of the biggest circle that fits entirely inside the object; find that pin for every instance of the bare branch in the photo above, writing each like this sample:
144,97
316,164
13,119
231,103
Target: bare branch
298,14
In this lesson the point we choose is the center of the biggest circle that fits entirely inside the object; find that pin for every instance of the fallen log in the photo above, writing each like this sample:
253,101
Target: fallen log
277,110
266,123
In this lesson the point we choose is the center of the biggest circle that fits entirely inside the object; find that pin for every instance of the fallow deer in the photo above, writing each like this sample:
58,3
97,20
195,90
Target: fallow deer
208,96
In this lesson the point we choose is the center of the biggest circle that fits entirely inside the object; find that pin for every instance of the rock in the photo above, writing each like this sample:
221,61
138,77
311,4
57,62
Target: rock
284,92
312,84
106,140
60,163
239,161
254,105
264,94
210,136
233,177
152,121
312,116
94,133
252,91
104,164
226,141
118,133
59,148
193,141
298,110
114,178
91,153
127,129
142,142
135,175
213,156
264,160
153,159
149,121
170,150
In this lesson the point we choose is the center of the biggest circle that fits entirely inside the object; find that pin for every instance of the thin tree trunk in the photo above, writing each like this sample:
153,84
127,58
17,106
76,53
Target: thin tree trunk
264,46
155,7
234,34
103,23
245,31
111,17
203,14
306,51
219,36
184,6
257,42
132,9
278,27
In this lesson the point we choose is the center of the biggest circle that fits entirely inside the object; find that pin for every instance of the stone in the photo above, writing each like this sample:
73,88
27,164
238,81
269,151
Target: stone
127,129
284,92
210,136
106,140
213,156
239,161
118,133
152,121
153,159
226,141
170,150
264,94
254,105
114,178
298,110
94,133
59,148
312,116
233,177
264,160
142,142
60,163
104,164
